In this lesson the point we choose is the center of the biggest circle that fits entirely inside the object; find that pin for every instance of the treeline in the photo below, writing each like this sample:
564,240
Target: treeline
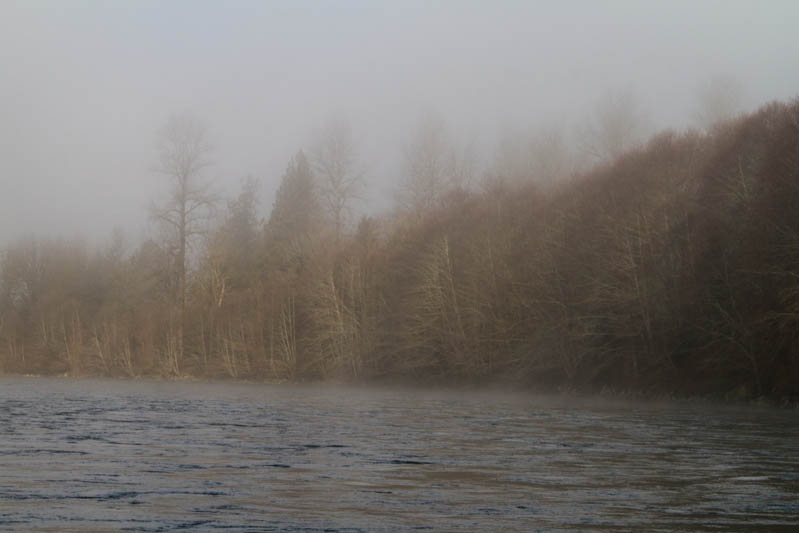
674,267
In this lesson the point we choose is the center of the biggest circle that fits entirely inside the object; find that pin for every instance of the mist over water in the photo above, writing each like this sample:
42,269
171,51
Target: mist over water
83,455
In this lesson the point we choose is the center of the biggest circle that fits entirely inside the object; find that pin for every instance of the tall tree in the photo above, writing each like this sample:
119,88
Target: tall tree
183,157
616,124
719,99
295,213
335,160
240,233
431,166
551,156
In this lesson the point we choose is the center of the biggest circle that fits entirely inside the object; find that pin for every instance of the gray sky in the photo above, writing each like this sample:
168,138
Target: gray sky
86,85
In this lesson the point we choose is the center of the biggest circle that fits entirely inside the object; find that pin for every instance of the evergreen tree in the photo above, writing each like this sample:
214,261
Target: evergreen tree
294,215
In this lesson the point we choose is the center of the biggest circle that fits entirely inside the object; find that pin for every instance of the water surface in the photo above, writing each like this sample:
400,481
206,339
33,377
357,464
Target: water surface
95,455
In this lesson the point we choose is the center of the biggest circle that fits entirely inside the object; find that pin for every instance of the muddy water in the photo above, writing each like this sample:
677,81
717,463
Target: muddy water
83,455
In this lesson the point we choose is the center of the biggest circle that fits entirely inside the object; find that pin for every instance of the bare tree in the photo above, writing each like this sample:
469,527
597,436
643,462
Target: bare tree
511,163
720,98
550,156
425,165
463,169
540,156
183,156
432,165
339,175
615,125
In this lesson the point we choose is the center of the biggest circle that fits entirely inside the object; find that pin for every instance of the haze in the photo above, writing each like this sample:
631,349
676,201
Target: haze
85,86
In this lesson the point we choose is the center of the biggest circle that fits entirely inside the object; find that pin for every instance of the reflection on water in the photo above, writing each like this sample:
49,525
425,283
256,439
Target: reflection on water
140,456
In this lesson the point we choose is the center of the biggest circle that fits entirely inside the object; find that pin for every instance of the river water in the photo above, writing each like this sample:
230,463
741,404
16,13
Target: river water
95,455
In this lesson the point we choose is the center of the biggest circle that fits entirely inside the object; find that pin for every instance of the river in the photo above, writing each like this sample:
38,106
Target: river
105,455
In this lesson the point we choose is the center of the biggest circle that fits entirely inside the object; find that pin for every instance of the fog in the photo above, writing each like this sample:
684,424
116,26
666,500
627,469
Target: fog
85,86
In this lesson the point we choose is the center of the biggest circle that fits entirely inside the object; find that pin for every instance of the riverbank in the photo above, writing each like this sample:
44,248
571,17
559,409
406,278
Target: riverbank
673,269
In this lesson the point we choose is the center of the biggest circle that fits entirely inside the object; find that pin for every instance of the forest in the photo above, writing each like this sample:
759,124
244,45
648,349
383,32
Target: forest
671,267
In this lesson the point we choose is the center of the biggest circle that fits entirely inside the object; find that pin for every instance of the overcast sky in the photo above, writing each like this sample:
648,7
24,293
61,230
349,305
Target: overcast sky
86,85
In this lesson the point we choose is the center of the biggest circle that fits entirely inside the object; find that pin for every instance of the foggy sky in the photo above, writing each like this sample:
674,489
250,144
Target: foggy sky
86,85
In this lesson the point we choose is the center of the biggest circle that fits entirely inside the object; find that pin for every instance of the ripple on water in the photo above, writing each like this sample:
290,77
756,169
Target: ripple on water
99,455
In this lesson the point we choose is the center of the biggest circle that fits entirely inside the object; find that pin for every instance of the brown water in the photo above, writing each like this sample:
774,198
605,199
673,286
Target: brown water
86,455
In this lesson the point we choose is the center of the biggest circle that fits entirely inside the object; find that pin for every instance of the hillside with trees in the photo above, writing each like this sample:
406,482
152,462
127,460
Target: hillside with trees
670,267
